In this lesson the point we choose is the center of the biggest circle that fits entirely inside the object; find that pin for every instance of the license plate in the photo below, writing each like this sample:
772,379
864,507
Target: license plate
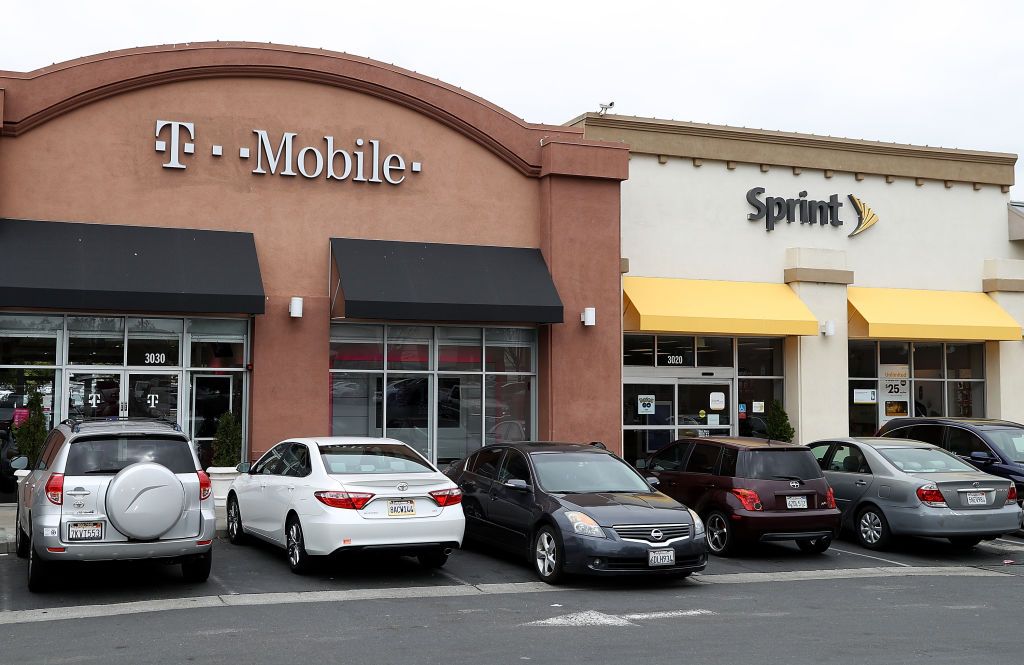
79,531
976,499
796,502
661,557
402,508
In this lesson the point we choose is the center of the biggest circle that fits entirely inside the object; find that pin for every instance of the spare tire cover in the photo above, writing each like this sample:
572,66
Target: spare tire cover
145,500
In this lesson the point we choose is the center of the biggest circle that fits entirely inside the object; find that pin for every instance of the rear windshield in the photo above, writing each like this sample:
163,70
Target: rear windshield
373,458
791,464
106,455
1009,441
923,460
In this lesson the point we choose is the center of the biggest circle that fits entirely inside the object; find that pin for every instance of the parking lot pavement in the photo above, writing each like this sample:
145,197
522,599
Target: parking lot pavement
260,569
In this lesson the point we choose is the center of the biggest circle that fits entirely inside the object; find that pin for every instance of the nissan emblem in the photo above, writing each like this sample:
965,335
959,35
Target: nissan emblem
657,534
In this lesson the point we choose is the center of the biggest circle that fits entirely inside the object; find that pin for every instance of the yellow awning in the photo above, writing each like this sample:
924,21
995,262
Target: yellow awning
660,304
933,315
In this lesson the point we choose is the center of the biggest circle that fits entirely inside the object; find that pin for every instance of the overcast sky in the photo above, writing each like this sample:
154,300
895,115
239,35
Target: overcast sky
931,73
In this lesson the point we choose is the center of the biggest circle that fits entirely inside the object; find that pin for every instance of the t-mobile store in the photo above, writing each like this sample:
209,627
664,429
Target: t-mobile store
315,242
851,281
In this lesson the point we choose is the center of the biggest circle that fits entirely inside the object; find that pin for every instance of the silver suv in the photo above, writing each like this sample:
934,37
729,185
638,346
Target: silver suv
115,489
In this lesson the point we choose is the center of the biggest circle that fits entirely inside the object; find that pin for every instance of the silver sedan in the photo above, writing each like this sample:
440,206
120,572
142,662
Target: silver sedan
887,487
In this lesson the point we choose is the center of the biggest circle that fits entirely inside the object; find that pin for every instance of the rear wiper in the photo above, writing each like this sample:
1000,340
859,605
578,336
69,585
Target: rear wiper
97,471
789,478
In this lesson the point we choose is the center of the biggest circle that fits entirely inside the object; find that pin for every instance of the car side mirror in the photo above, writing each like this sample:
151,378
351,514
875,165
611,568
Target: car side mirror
517,484
984,458
641,464
244,467
19,463
652,481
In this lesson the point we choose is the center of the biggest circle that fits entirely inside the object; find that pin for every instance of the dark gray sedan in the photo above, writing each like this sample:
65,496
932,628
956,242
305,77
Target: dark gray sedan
887,487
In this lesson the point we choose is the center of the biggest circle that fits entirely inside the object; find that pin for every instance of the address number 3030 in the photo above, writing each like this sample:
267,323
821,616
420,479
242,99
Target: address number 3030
156,359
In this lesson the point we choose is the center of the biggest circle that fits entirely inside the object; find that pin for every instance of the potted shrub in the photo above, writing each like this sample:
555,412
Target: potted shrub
778,425
227,453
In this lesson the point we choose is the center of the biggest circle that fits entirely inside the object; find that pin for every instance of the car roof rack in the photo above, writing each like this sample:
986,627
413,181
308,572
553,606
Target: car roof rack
76,423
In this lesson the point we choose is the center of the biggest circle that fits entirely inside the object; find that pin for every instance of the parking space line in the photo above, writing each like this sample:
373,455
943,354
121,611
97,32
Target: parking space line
334,596
454,578
868,556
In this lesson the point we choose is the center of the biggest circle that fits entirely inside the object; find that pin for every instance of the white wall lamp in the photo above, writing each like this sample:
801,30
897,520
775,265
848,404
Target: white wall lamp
295,308
827,328
589,316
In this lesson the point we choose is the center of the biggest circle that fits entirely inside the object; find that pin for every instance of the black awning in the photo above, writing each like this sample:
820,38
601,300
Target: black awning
415,281
64,265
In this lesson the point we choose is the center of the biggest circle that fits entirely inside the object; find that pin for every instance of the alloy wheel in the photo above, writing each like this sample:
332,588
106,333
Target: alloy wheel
234,528
295,544
718,533
870,527
547,554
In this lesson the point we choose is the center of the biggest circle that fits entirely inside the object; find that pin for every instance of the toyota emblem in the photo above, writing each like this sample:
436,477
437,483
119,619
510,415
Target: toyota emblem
657,534
794,484
401,487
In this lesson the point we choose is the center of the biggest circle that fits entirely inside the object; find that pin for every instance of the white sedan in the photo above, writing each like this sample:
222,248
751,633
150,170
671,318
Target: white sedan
324,495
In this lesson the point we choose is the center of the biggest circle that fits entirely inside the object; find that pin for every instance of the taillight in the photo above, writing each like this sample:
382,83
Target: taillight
348,500
55,488
749,499
448,497
830,498
931,496
205,486
1011,496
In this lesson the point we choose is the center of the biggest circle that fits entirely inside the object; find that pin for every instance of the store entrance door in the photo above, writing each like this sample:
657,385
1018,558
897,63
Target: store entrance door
704,408
211,399
107,394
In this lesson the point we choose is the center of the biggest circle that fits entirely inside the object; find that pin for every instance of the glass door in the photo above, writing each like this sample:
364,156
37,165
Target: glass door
152,395
704,409
94,394
211,399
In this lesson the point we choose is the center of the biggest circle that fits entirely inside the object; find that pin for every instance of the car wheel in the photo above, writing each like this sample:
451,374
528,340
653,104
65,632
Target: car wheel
236,533
38,570
547,555
719,534
433,559
965,543
816,546
197,568
872,529
20,539
298,560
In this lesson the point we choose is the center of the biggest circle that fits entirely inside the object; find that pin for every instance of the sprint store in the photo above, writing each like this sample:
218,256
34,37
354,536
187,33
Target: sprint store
850,280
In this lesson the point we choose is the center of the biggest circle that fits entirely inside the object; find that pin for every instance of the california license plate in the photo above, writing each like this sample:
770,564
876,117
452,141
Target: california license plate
661,557
976,499
796,502
402,508
80,531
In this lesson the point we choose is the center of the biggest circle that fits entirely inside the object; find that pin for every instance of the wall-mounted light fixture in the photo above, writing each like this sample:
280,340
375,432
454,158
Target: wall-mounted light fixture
295,308
589,316
827,328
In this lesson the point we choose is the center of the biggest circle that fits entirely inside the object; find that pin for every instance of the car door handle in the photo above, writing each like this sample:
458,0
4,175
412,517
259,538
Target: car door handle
861,483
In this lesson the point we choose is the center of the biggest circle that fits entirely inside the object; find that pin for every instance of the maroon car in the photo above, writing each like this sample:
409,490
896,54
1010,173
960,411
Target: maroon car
748,490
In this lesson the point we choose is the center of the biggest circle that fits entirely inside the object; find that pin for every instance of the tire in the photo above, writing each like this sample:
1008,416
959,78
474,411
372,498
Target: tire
299,561
20,539
719,535
816,546
433,559
548,561
236,532
196,570
965,542
39,570
872,529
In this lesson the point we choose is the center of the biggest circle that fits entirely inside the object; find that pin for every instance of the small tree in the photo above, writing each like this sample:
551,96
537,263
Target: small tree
227,446
777,423
31,434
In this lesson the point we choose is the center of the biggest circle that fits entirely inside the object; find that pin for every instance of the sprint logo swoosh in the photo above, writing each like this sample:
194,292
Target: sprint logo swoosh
866,217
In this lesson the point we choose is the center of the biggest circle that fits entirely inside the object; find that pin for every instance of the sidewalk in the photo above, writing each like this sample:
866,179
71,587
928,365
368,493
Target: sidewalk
7,513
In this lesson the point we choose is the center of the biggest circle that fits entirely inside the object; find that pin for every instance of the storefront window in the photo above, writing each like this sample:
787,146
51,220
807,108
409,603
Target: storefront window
714,352
637,444
95,340
648,404
214,354
481,391
28,350
755,398
760,356
16,388
924,379
675,351
154,342
638,350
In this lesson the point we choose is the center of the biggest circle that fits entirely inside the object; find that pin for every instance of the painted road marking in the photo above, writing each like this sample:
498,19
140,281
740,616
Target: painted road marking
868,556
250,599
594,618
